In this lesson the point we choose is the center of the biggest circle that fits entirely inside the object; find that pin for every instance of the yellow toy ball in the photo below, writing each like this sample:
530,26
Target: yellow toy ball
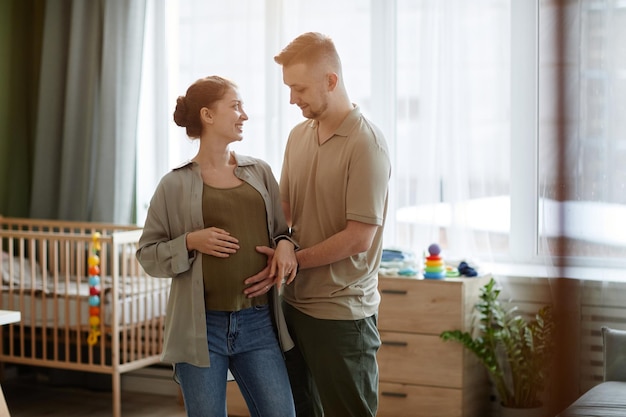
93,260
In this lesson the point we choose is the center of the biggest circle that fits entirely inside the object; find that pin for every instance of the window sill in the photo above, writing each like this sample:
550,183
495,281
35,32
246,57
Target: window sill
545,271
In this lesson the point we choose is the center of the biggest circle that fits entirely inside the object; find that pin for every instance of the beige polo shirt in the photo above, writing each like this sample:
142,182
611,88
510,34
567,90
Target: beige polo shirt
345,178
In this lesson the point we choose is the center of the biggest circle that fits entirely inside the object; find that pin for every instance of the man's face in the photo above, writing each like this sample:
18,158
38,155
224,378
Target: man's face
308,89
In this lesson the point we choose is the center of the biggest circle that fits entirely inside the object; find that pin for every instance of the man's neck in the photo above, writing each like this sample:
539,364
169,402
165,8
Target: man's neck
326,126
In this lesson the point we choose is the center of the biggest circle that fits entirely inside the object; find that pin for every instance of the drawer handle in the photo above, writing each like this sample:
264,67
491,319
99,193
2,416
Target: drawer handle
394,394
397,292
394,343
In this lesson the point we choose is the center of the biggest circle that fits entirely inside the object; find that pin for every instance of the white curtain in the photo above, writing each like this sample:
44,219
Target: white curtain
155,111
453,127
433,74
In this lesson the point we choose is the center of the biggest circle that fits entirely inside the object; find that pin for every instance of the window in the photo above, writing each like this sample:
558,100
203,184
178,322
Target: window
586,201
463,92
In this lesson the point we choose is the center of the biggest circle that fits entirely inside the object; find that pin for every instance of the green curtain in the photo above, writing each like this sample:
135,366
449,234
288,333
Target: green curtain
21,27
85,146
70,76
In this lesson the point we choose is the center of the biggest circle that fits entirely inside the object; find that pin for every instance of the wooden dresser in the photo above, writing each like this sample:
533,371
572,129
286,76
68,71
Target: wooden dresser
421,375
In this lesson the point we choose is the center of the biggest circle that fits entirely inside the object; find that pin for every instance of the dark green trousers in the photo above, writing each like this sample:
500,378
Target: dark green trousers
333,369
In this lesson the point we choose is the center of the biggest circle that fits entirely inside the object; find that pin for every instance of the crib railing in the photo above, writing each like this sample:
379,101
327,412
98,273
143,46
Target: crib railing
45,277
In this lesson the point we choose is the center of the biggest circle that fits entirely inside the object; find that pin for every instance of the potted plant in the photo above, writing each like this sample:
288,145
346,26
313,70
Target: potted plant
516,353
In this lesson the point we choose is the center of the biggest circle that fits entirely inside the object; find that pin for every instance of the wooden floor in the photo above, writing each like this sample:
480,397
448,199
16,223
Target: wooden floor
27,397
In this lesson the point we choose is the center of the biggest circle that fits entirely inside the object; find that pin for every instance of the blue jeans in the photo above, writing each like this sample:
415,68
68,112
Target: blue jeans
246,343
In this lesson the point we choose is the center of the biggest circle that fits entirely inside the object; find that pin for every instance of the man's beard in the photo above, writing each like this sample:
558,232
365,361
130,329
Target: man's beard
309,113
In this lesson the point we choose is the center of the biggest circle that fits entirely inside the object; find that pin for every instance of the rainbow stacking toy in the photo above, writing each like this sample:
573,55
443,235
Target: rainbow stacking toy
434,267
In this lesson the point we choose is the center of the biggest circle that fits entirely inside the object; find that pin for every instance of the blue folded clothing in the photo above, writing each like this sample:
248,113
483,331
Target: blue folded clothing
466,270
393,255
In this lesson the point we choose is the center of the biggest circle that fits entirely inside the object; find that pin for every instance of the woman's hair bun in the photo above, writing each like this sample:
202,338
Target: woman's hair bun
180,113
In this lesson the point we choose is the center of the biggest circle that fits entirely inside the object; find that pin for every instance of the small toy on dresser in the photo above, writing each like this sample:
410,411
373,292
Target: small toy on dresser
434,267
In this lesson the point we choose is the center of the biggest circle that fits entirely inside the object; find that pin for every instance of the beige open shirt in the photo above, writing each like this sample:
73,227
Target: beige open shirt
175,210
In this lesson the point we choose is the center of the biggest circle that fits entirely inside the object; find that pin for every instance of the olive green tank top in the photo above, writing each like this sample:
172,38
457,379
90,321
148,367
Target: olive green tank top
241,212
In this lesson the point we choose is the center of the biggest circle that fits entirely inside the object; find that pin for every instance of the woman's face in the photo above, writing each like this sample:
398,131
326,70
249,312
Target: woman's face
228,116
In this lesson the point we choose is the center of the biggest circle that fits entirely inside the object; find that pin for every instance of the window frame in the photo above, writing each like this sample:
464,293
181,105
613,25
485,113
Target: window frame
524,186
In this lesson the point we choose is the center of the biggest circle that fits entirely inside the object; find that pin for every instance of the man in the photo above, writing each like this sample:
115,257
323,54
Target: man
333,187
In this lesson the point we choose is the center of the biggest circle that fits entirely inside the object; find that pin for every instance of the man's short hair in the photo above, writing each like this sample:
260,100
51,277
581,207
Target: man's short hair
310,48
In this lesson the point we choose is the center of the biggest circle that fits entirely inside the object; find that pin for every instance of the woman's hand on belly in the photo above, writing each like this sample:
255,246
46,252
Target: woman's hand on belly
212,241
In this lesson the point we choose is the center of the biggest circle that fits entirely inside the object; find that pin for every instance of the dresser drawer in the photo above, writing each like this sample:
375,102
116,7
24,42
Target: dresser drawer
399,400
421,306
420,359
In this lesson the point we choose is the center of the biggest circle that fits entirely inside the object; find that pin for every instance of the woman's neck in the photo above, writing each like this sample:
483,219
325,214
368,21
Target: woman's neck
214,157
217,167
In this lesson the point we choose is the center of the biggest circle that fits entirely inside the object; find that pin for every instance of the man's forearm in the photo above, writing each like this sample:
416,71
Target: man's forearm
355,238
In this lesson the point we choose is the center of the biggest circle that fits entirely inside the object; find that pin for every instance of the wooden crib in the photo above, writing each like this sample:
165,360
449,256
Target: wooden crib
45,277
